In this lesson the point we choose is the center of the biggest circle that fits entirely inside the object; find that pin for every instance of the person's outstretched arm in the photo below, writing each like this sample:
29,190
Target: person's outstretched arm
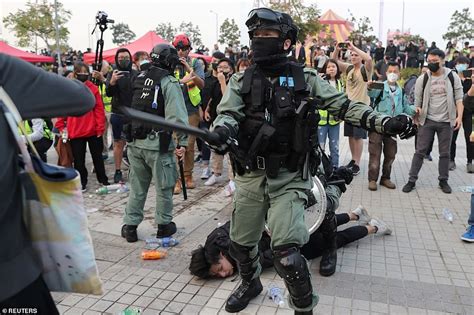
38,93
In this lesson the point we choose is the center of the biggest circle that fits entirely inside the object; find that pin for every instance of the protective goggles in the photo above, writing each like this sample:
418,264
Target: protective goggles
256,15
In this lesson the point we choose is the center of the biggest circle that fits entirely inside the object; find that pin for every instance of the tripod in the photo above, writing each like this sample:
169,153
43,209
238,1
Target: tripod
97,66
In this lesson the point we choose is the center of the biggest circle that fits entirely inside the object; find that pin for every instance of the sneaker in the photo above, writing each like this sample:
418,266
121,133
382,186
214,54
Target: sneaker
428,157
166,230
408,187
443,184
206,173
212,180
355,170
364,216
229,189
469,168
350,164
452,165
387,183
468,236
84,188
129,232
382,227
118,176
105,156
372,185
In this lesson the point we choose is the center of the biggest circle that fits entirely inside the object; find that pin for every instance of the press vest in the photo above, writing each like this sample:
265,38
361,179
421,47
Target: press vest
105,99
46,131
194,92
325,116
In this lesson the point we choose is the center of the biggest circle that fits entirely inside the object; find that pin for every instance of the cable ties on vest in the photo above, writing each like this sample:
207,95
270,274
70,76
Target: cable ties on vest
154,105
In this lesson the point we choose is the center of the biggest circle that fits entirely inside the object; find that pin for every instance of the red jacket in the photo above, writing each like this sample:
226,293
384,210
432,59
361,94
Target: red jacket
88,125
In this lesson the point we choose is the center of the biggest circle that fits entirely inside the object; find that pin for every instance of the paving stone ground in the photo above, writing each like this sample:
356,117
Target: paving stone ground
422,268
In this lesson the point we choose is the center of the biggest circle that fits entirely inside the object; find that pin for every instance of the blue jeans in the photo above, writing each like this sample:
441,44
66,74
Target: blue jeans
331,132
470,221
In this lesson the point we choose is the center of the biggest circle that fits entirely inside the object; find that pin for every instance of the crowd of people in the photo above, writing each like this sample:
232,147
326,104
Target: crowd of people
233,98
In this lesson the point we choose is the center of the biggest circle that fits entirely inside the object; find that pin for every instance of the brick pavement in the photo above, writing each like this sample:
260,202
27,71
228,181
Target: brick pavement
422,268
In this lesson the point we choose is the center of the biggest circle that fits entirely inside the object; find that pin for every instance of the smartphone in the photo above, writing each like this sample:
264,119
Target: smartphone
124,73
467,74
342,45
377,85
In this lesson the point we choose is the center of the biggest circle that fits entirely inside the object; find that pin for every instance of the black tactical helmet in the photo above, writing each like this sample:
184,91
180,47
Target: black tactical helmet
264,18
164,56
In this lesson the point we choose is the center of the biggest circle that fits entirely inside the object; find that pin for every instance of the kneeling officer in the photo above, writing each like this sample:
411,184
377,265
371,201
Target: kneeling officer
150,150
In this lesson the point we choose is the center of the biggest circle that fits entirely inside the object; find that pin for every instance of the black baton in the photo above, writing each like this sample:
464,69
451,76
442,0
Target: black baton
181,172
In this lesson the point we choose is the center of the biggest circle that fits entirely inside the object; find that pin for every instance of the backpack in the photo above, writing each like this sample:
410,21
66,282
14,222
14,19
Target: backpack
409,88
425,81
362,71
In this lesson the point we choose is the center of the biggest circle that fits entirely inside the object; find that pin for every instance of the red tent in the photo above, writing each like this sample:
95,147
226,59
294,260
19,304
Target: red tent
144,43
339,28
30,57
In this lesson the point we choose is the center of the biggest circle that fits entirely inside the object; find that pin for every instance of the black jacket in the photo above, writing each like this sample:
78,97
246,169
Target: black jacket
30,88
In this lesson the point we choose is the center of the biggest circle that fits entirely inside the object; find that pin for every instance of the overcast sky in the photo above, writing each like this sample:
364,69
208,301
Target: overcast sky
427,18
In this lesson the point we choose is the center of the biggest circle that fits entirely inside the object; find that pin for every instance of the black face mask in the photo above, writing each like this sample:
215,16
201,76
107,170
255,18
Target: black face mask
268,50
124,64
433,66
214,66
145,66
82,77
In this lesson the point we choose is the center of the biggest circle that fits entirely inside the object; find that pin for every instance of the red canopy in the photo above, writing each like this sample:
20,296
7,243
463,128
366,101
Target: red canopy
30,57
144,43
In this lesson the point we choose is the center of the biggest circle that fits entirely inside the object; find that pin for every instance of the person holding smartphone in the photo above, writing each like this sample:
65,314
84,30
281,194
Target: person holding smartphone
389,100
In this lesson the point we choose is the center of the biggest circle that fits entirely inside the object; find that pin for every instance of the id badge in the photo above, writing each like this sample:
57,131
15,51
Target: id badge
290,83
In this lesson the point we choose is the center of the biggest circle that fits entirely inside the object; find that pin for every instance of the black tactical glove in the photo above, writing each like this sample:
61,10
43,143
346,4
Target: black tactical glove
401,125
219,139
341,177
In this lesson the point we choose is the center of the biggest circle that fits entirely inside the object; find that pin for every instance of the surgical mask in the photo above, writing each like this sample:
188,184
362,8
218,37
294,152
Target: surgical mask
461,67
268,50
124,64
214,66
392,77
433,66
83,77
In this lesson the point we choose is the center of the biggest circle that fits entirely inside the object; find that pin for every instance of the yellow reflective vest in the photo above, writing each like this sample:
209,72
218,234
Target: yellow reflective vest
105,99
46,132
327,118
194,92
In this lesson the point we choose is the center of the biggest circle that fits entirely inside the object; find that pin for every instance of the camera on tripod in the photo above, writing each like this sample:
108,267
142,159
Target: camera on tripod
102,18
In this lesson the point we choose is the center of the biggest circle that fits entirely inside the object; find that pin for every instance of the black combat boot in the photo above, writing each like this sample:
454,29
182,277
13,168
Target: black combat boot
304,313
327,266
165,230
129,232
240,298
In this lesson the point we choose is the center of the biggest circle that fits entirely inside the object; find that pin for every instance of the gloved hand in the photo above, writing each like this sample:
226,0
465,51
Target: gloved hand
219,139
341,177
401,125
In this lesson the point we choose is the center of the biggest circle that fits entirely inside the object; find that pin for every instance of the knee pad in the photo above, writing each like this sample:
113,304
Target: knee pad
292,267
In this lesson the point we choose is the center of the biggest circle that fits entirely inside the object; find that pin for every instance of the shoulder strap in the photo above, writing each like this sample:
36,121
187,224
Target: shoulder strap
451,79
364,73
425,81
377,100
349,69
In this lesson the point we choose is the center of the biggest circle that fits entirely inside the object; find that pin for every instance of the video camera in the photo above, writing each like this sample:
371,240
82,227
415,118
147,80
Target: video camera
102,18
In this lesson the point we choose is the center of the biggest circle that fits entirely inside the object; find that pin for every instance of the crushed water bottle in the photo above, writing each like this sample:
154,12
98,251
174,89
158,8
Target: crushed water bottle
161,242
275,293
448,215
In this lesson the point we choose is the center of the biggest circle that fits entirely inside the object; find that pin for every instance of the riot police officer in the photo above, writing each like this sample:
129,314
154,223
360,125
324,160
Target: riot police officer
268,119
150,150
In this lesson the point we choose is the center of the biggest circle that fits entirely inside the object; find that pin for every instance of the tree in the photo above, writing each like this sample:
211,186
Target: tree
305,17
362,28
38,20
229,33
122,34
167,31
192,31
461,26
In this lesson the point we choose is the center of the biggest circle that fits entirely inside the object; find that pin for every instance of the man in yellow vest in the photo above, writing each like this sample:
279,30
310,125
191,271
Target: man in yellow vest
190,73
102,77
40,134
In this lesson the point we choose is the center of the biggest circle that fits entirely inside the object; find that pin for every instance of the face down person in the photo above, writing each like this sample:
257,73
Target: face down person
274,160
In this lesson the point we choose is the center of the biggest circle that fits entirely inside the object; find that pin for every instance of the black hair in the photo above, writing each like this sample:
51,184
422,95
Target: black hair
437,52
78,65
461,59
218,55
229,61
199,265
206,65
393,64
139,54
338,72
243,61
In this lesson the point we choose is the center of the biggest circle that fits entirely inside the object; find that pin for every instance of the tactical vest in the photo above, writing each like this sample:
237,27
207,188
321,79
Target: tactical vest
193,91
280,124
148,98
47,134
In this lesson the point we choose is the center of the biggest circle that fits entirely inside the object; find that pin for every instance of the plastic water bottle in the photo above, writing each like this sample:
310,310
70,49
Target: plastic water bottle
102,191
113,187
448,215
275,294
161,242
64,135
123,189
